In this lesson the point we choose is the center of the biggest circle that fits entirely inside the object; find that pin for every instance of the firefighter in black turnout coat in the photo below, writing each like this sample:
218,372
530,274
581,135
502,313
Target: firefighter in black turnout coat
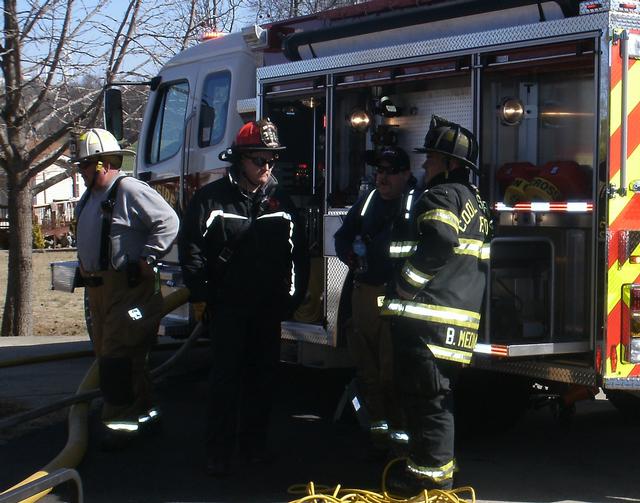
368,224
437,302
242,254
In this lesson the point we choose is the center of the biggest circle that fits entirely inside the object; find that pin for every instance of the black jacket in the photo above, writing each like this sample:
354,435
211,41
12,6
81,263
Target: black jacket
442,279
372,218
243,249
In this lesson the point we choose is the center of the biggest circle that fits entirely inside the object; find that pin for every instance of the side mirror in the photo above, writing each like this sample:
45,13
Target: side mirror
113,112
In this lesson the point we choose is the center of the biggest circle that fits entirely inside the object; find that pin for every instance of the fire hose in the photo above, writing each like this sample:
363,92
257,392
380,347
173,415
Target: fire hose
74,450
326,494
76,445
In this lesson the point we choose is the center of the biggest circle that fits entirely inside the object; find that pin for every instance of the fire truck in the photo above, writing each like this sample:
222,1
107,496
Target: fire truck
550,88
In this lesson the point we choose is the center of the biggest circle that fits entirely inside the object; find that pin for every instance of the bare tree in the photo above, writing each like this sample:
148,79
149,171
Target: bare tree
275,10
56,58
49,46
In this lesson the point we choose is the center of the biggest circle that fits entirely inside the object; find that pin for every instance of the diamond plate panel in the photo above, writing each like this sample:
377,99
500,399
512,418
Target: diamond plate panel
540,370
336,273
453,103
628,21
332,222
628,383
246,106
305,332
446,45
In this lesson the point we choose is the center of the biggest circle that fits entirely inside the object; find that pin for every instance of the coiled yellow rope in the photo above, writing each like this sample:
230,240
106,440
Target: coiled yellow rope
327,494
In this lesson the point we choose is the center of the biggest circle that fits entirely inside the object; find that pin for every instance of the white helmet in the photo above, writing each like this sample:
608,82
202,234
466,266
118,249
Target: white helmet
97,143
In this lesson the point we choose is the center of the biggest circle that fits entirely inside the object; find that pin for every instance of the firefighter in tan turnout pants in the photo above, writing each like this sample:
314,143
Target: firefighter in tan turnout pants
124,226
368,224
437,302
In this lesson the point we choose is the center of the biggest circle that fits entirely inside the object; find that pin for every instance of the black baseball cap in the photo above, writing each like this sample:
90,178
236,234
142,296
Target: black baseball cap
395,157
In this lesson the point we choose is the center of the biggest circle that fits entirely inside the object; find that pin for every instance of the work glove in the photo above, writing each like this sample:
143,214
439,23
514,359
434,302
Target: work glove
199,310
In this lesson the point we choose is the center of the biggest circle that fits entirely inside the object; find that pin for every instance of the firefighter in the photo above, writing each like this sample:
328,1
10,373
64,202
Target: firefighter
123,228
362,243
243,257
437,301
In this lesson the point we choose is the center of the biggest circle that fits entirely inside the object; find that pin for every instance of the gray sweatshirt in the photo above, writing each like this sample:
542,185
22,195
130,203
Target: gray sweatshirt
143,224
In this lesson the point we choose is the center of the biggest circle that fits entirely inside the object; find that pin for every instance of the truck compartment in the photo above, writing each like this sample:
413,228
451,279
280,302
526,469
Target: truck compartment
538,288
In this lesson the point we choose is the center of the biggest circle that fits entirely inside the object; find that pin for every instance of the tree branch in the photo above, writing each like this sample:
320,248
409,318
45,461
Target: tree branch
55,62
37,16
190,23
116,60
56,135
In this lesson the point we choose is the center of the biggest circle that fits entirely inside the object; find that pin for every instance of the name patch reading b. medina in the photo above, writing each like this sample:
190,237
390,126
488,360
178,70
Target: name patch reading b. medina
461,338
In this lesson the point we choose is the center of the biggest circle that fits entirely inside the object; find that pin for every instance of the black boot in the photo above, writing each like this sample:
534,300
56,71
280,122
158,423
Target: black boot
401,482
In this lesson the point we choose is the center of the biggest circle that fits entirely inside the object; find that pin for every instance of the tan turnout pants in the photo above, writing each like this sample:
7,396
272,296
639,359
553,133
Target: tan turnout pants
122,346
370,347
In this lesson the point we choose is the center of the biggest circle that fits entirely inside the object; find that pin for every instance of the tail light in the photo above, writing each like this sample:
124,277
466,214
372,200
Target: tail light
631,323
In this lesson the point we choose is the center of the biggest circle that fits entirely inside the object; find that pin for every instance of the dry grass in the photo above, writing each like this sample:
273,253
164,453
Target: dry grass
54,313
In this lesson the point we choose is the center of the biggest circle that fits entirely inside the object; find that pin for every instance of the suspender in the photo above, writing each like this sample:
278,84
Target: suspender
107,212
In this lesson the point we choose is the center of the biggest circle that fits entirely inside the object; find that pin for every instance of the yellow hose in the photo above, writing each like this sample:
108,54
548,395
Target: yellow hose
76,445
312,309
320,494
73,452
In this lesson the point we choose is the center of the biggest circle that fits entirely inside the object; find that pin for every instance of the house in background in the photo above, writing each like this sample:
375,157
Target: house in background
68,189
54,207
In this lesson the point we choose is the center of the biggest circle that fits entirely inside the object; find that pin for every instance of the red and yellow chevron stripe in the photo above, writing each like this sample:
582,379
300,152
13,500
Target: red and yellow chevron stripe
624,212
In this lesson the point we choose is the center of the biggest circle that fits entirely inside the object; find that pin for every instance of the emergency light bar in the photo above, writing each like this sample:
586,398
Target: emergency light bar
567,207
210,35
608,5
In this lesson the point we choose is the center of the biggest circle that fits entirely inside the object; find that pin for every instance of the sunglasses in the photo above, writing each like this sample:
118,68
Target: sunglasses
84,165
261,162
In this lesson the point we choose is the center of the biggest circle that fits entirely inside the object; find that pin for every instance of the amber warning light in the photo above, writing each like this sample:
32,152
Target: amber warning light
211,34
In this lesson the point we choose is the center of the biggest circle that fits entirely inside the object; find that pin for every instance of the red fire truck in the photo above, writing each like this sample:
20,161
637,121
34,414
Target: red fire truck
550,88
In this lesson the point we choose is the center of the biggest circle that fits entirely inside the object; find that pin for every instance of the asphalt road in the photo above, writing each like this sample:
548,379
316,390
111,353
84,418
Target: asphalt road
593,458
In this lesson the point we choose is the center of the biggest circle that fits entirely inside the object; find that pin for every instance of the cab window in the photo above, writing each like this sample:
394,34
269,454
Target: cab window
213,109
169,122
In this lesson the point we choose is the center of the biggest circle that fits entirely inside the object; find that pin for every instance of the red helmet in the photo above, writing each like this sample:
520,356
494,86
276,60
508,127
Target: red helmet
253,136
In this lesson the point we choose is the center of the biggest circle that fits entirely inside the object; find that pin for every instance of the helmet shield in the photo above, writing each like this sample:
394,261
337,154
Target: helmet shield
253,136
96,143
451,139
